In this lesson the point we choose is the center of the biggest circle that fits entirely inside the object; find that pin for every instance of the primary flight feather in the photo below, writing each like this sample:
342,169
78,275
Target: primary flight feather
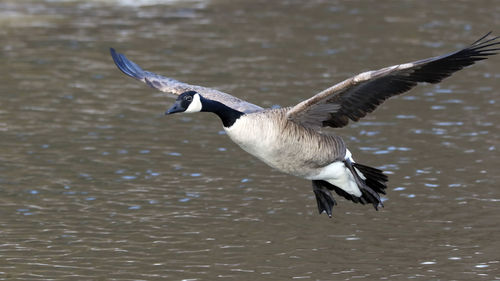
289,139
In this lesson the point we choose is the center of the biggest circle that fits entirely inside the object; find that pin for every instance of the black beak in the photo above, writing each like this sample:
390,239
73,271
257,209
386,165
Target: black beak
174,109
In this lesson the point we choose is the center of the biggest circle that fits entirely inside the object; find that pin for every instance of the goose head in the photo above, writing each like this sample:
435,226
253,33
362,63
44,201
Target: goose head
192,101
188,102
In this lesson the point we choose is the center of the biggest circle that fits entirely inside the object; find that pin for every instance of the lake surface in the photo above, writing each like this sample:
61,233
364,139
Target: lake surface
97,184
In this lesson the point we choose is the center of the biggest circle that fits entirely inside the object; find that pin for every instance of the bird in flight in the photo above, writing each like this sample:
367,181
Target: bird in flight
291,139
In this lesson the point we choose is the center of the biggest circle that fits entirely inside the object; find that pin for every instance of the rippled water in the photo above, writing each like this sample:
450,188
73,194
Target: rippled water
96,183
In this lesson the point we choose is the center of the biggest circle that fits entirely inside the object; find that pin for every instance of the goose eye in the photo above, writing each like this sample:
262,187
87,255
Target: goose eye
189,98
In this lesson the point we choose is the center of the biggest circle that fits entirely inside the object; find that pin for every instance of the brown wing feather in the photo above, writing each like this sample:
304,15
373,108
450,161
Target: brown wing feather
359,95
174,87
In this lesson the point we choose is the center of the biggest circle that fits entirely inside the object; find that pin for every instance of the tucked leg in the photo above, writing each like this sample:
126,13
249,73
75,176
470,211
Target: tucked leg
324,198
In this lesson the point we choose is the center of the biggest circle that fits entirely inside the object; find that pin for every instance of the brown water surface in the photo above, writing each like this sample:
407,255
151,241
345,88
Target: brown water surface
97,184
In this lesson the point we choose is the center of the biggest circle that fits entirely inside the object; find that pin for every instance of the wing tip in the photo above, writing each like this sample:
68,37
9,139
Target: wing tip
478,41
125,65
485,42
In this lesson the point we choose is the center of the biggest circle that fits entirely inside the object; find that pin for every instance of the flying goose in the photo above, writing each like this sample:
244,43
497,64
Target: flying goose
289,139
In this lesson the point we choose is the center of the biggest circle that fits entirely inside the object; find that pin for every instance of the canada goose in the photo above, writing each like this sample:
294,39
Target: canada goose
289,139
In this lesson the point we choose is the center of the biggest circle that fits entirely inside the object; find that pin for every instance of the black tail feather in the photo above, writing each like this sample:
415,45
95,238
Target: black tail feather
370,172
367,192
375,178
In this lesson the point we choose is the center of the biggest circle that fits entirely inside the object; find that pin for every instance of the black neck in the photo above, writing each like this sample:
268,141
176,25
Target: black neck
226,114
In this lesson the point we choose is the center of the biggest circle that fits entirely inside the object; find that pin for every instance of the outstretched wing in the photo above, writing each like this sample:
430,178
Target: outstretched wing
357,96
174,87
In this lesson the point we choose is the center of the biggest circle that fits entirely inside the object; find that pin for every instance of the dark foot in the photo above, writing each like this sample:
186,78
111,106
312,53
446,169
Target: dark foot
324,198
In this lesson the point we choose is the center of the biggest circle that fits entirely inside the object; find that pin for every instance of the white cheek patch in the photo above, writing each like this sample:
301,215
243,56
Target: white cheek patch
195,105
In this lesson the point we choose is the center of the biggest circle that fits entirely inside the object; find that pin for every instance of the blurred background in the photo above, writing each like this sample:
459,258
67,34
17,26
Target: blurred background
96,183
